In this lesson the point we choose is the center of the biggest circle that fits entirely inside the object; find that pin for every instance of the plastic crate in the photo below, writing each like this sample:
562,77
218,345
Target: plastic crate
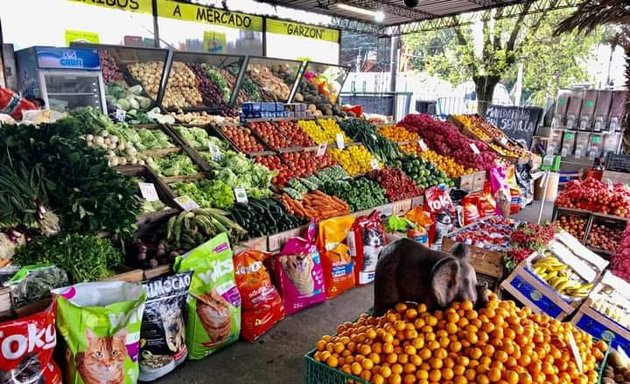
618,163
319,373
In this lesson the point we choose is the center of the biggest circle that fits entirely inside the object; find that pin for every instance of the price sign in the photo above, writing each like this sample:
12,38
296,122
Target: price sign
503,140
215,152
340,143
241,195
474,148
186,203
148,191
423,145
321,149
374,164
576,352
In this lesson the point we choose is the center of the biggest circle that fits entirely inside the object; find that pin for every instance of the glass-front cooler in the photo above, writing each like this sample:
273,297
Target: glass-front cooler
320,86
202,82
269,80
64,78
133,76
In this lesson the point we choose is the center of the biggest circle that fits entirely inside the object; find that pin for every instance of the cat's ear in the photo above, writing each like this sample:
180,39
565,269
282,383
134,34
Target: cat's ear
121,335
89,335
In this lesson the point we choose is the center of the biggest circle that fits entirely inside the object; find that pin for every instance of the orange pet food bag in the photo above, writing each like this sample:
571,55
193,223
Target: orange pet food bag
336,260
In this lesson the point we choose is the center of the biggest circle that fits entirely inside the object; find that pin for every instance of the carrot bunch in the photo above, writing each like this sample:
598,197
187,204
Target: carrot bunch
316,205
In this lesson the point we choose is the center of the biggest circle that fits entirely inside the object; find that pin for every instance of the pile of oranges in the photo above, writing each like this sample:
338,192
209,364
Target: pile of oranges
397,134
497,344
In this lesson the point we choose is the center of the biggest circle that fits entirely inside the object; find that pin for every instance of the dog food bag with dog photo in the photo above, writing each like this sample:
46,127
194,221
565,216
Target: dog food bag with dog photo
100,324
365,240
214,303
26,350
262,304
438,203
336,260
298,272
163,332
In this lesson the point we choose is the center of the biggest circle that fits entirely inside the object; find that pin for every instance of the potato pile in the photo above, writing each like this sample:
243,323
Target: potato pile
497,344
617,370
268,81
149,75
181,90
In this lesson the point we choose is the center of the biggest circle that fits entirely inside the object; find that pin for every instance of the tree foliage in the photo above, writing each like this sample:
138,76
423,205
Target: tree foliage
487,51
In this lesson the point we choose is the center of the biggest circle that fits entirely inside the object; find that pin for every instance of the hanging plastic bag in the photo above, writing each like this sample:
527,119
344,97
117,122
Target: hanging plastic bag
262,305
214,303
298,272
100,323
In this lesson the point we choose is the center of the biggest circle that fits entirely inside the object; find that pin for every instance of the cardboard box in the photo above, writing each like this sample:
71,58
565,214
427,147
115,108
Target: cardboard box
401,207
275,242
417,202
259,244
479,180
599,326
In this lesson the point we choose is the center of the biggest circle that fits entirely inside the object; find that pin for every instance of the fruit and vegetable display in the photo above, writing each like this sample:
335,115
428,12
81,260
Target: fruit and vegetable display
173,164
617,369
398,134
109,67
149,75
294,133
445,164
355,159
242,139
274,82
425,174
331,130
360,194
575,225
397,185
261,217
560,276
526,239
470,123
186,88
596,196
230,80
214,91
126,98
497,343
493,233
304,164
194,137
319,87
267,131
445,139
486,132
206,193
612,302
190,229
283,172
363,132
316,205
315,132
620,260
605,235
203,118
147,255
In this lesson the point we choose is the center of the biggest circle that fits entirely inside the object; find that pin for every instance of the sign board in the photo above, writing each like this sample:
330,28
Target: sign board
206,15
138,6
81,37
302,30
214,42
519,123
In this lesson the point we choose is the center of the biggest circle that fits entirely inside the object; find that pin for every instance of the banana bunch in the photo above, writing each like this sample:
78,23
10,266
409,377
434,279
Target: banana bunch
190,229
561,277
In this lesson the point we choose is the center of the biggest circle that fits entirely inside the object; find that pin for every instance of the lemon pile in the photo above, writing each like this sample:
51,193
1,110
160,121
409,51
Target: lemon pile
355,159
331,129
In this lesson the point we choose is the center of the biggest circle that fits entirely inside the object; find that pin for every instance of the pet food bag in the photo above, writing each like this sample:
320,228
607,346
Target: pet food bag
298,272
163,332
26,349
12,104
214,304
34,282
262,304
336,261
365,240
100,324
500,190
441,209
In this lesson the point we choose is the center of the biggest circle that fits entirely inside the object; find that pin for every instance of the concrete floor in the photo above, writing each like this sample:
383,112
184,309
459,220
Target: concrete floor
278,357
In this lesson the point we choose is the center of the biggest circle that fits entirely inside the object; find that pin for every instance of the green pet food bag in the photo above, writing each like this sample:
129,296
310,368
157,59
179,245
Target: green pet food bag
100,324
214,303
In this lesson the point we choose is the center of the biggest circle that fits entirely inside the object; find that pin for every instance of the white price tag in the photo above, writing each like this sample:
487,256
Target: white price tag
148,191
503,140
214,151
374,164
423,145
321,149
241,195
186,203
474,148
340,143
576,352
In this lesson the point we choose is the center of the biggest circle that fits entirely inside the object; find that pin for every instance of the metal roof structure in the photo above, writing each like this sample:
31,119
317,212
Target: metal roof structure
427,15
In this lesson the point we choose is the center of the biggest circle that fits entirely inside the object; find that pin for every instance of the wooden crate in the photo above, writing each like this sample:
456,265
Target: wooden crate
485,262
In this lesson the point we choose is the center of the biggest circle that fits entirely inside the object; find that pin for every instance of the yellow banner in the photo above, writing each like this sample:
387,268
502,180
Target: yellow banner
81,37
201,14
302,30
214,42
139,6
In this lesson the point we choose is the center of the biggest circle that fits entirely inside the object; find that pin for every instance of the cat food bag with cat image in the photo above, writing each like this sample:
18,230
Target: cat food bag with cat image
213,303
163,332
262,304
298,272
365,240
336,261
26,349
100,325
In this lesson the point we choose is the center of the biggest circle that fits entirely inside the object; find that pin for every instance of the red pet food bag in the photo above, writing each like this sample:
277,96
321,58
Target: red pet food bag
12,104
262,304
438,203
26,350
365,240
